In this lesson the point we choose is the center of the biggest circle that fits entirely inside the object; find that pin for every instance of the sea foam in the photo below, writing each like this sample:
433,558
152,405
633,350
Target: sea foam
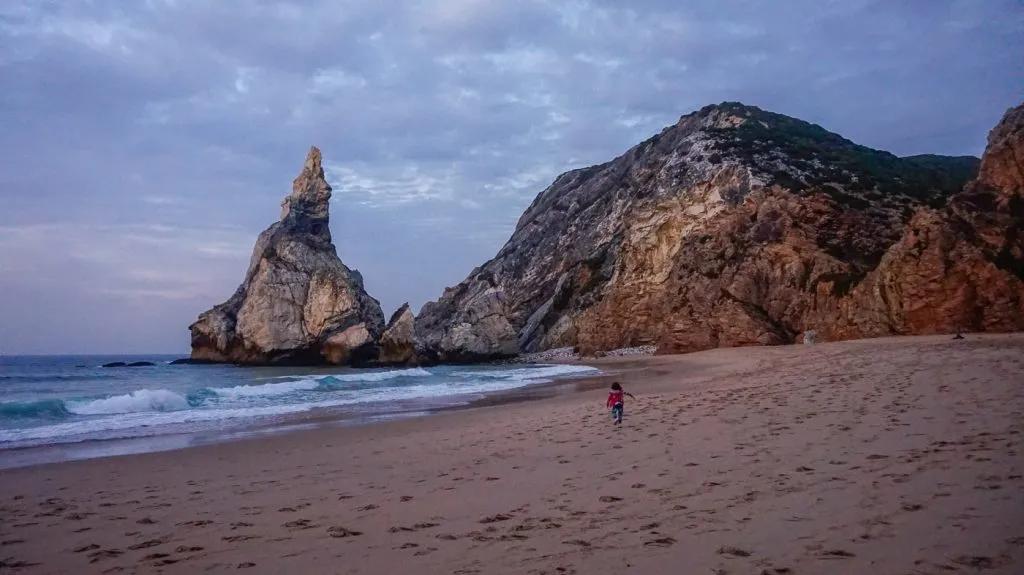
266,389
532,374
136,401
157,411
311,383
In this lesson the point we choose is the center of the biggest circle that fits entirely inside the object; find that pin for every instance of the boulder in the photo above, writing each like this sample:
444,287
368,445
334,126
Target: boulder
397,343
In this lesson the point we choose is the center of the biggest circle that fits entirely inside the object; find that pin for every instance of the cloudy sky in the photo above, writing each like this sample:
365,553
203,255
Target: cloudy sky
144,145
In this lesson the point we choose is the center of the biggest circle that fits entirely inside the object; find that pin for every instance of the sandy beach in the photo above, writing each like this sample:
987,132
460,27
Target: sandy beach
898,455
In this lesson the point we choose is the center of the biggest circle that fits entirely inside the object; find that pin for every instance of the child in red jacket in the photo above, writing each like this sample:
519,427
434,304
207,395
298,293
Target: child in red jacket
616,400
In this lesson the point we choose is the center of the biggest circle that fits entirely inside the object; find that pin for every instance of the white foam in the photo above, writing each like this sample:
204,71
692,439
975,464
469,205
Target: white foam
531,374
266,389
382,375
73,431
310,382
136,401
155,408
367,375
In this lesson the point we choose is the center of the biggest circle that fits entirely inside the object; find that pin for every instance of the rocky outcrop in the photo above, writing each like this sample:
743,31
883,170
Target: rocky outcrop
398,343
737,226
298,303
958,268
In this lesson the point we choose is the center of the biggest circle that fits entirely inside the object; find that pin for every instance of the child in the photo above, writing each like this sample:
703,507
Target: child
616,399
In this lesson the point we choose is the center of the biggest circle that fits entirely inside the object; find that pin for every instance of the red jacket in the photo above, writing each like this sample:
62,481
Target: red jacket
616,397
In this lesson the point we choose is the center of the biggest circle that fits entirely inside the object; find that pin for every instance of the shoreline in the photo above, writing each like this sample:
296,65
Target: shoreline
327,418
343,416
887,455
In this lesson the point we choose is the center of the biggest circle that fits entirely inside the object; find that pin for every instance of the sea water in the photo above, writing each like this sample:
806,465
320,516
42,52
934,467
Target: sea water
48,400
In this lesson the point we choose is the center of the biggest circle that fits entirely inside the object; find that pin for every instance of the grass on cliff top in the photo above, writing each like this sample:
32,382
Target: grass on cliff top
927,178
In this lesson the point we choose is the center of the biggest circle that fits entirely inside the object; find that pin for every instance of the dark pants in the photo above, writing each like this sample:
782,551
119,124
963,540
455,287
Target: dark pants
617,412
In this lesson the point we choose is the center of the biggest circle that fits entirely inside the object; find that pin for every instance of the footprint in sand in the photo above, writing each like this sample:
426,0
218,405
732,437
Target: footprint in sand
341,532
425,551
196,523
838,553
415,527
496,518
146,544
299,524
237,538
734,551
13,563
85,548
104,554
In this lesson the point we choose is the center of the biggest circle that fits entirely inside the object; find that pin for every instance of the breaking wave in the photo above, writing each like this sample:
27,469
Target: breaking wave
134,402
316,383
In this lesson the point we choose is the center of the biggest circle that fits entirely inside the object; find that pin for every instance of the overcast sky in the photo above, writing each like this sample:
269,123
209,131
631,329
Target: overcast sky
145,144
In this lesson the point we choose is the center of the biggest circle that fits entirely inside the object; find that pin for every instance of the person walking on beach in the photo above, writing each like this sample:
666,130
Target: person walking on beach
616,401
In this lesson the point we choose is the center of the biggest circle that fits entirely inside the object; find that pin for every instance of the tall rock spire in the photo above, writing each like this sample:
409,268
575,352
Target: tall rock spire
298,303
311,194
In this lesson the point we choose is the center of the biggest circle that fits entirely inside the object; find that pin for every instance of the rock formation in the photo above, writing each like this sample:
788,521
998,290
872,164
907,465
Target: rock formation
958,268
298,302
737,226
397,343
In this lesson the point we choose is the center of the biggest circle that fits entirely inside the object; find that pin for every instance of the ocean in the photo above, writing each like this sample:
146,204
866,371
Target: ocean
66,402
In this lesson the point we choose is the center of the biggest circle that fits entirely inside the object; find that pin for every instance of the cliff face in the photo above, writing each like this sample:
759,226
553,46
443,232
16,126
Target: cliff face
737,226
961,267
298,302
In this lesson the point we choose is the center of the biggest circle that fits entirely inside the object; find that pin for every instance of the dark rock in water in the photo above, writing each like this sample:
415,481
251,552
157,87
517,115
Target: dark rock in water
397,343
190,361
737,226
132,364
298,304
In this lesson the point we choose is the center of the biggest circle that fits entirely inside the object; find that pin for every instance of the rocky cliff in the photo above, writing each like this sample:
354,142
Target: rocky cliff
737,226
956,268
298,303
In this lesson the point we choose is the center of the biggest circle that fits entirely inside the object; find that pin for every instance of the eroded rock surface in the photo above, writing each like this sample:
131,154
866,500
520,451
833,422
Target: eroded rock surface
737,226
958,268
298,303
398,343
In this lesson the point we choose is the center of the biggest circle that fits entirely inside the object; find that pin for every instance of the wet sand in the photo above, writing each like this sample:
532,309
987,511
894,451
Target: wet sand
898,455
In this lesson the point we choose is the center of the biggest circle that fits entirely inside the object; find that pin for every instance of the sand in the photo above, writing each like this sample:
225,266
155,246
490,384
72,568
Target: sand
898,455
